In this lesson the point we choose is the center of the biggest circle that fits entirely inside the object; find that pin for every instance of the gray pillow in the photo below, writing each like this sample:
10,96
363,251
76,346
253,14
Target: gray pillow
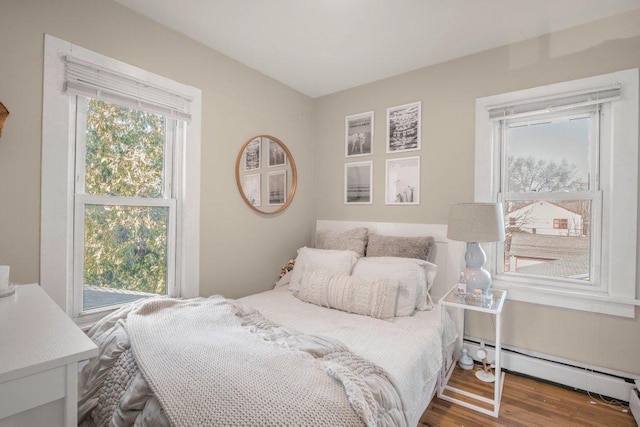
349,240
405,247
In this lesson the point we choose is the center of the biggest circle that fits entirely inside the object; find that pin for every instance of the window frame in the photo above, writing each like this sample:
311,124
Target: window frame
59,174
167,199
592,194
618,129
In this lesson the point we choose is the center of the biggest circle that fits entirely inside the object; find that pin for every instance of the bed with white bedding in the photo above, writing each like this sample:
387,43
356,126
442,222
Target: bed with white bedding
408,348
211,361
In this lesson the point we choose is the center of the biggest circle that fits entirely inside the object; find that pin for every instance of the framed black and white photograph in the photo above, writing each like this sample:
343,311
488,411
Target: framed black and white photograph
404,127
277,156
277,187
253,155
358,138
358,183
403,181
253,189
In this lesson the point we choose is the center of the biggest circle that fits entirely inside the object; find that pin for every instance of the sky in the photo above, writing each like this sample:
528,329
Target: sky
553,141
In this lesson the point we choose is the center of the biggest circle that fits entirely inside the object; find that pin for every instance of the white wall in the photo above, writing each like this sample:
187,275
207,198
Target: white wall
241,251
448,92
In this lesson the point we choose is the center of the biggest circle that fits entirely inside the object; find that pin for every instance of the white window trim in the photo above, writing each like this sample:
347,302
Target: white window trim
620,221
58,171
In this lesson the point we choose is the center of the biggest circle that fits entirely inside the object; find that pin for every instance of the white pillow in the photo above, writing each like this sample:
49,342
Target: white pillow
284,280
359,295
340,261
415,276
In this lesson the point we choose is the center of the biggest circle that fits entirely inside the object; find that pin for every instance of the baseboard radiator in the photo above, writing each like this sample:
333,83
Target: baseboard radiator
634,404
612,384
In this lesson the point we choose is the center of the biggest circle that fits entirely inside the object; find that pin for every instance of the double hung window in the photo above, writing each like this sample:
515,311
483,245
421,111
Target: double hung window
563,161
550,170
120,182
125,204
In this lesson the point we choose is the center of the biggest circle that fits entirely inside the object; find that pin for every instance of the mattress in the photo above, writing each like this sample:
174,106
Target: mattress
409,348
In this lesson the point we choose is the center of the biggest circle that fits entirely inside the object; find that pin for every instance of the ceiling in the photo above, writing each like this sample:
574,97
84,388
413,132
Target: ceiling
320,47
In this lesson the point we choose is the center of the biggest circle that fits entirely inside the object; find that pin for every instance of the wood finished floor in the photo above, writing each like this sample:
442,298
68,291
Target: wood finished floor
525,402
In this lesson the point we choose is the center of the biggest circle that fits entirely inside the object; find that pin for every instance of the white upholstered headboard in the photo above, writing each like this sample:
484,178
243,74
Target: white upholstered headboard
449,254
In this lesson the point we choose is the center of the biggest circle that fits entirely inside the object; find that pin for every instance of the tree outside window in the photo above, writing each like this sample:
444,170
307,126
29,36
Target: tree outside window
125,245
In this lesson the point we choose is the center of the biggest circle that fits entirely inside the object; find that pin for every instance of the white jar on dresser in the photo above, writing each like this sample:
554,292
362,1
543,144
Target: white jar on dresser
40,347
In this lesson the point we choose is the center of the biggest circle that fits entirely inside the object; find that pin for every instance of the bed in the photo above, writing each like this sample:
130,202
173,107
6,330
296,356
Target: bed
278,357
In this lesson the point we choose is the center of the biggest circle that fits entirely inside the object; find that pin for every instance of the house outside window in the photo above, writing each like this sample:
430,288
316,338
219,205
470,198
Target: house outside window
120,183
567,190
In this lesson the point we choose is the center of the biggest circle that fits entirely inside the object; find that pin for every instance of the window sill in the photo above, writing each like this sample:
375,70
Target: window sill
595,302
86,321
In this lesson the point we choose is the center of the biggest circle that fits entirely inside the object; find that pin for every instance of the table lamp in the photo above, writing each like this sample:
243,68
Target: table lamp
474,223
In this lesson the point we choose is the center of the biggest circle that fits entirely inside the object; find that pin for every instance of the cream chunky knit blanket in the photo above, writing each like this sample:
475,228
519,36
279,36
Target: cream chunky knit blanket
214,362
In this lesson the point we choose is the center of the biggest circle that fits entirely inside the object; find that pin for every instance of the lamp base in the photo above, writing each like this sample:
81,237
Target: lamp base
475,275
477,278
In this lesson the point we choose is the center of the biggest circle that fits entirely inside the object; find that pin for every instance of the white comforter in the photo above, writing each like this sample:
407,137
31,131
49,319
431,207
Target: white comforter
409,348
211,361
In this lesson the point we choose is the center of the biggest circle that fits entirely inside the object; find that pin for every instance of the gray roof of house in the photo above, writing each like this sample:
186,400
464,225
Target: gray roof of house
576,266
544,246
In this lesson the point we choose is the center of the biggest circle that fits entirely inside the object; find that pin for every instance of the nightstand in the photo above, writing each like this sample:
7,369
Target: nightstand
493,307
40,348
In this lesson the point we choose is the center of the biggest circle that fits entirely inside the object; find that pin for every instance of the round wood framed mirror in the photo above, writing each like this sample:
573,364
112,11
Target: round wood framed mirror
266,174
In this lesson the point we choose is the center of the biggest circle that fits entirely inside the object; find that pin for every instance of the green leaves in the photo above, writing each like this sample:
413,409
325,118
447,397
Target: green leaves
125,151
125,246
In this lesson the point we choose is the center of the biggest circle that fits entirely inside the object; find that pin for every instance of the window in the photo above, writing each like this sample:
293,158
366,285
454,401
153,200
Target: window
120,182
550,168
125,205
563,224
568,191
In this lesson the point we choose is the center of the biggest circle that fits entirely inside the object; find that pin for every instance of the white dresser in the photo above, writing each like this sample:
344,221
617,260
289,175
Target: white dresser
40,348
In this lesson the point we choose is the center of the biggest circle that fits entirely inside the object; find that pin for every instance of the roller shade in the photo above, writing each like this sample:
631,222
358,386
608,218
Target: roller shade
91,80
556,103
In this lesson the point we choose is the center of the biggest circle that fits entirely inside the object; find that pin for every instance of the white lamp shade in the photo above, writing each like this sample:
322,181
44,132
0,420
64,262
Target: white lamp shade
476,222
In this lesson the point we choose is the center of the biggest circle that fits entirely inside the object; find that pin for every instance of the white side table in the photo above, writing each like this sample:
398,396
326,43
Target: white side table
493,307
40,347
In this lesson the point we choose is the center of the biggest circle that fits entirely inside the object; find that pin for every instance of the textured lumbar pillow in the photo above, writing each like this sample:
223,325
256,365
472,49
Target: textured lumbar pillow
375,298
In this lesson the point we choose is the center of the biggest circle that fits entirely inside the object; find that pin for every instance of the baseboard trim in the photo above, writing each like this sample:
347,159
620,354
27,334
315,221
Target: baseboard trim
610,384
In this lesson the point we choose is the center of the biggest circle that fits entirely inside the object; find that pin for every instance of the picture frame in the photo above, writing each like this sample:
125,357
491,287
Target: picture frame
358,183
402,181
358,134
277,188
253,155
253,189
404,127
277,156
